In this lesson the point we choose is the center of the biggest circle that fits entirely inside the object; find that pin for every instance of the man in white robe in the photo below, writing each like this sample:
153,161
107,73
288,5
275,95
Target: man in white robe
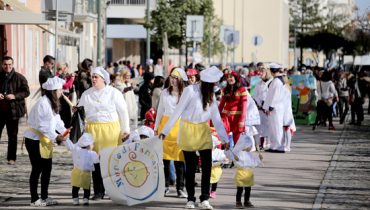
274,109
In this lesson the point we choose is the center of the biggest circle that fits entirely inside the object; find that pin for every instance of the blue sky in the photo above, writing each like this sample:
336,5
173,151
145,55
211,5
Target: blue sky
363,6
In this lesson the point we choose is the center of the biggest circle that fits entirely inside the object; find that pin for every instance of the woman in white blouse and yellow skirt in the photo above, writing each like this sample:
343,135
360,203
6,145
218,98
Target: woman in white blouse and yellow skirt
44,122
196,107
107,119
171,151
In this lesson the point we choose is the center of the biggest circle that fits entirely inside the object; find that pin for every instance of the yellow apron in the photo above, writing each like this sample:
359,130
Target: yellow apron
171,150
105,134
216,173
46,145
244,177
194,136
80,178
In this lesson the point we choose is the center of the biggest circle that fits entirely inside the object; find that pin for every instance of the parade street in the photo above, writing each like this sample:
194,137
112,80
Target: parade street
324,170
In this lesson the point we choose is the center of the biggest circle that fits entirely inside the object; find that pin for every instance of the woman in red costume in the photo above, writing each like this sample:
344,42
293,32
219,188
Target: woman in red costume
233,105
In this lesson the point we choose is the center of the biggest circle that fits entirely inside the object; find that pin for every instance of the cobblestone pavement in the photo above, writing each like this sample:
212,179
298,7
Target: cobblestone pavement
346,184
324,170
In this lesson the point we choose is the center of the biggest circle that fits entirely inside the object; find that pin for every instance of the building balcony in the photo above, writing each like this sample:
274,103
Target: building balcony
85,11
131,9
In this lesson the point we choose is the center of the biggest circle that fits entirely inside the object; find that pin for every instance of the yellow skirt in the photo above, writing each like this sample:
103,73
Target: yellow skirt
80,178
244,177
46,145
194,136
216,173
105,134
171,150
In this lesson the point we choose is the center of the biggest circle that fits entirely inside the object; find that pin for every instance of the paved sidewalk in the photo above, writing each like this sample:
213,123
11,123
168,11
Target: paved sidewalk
326,169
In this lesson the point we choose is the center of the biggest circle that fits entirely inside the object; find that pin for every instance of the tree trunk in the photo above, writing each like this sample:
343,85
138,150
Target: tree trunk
165,54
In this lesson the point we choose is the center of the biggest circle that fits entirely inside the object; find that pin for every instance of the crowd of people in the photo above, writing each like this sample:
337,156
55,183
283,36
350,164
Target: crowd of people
194,110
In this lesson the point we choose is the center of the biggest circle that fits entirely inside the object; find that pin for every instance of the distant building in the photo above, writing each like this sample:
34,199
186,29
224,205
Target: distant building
267,19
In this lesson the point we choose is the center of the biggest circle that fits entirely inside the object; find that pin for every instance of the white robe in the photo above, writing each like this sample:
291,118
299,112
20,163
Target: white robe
288,119
260,92
275,99
132,106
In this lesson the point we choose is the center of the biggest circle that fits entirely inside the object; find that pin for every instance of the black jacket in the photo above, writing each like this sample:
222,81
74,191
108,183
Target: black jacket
17,85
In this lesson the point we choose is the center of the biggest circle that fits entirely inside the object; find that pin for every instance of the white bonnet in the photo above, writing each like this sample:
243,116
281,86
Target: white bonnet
85,140
103,73
211,75
53,83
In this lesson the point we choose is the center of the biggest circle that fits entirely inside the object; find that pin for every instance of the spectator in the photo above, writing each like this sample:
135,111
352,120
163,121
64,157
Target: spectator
14,90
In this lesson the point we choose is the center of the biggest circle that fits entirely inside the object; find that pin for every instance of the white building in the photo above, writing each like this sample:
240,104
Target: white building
125,34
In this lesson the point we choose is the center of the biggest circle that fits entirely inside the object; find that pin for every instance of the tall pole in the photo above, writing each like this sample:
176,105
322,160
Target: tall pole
148,30
56,35
295,49
99,34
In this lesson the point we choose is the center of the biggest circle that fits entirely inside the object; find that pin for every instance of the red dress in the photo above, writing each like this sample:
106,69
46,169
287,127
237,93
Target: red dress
233,110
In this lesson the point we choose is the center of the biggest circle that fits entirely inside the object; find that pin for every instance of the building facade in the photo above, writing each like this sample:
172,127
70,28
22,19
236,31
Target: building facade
265,20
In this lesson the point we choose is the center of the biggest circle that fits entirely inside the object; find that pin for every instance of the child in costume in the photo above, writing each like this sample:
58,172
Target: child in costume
244,161
218,158
83,164
143,132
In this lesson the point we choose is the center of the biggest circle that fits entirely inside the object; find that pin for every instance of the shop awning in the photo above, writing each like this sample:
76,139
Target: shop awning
19,14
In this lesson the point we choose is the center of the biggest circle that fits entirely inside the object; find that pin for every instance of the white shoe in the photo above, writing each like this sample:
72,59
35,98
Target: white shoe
205,205
76,201
85,202
39,202
190,205
50,202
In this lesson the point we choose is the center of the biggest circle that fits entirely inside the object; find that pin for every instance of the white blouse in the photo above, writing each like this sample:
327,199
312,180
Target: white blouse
326,90
43,119
190,108
83,159
105,105
167,105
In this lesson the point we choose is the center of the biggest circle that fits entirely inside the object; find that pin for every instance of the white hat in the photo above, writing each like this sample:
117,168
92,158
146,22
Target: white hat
275,66
244,142
85,140
179,72
53,83
211,75
146,131
103,73
215,141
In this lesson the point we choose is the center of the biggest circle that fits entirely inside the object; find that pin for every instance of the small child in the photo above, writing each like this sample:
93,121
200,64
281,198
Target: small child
83,164
143,132
218,158
244,161
150,116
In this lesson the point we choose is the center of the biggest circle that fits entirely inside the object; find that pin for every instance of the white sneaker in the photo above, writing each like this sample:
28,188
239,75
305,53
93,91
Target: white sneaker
39,202
85,202
50,202
76,201
205,205
190,205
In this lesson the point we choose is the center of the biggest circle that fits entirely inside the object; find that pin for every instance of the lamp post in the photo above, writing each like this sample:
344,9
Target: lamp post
148,30
98,55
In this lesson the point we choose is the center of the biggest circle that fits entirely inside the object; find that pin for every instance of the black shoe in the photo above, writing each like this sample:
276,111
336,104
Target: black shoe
351,123
239,205
248,204
97,197
313,127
